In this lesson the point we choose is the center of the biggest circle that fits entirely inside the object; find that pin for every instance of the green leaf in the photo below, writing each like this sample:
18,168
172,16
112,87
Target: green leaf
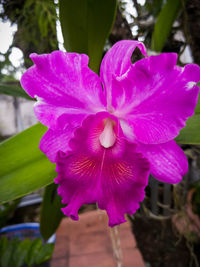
45,253
13,89
3,248
197,108
21,252
191,133
7,256
34,249
86,25
50,211
24,168
163,25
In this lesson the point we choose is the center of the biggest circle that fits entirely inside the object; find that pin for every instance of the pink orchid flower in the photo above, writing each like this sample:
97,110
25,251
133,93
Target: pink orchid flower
107,133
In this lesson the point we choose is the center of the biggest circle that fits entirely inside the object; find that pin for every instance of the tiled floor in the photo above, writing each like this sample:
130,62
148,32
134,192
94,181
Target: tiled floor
87,243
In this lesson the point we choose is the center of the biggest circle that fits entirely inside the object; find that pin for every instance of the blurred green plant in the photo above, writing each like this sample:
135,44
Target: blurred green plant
36,21
6,210
164,22
36,32
29,253
50,211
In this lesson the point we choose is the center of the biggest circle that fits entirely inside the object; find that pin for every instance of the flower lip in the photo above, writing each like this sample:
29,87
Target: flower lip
115,178
108,137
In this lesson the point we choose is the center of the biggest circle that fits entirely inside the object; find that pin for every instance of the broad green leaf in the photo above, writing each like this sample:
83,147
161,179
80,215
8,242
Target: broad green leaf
23,167
191,133
163,25
197,109
13,89
86,25
50,211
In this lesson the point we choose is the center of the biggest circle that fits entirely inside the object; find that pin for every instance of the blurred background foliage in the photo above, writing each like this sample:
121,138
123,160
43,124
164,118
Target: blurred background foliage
36,26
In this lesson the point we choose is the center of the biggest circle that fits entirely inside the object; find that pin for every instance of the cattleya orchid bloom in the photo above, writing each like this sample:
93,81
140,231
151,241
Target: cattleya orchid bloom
107,133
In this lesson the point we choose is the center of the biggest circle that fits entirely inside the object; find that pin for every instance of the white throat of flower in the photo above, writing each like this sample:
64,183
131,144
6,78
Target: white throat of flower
108,137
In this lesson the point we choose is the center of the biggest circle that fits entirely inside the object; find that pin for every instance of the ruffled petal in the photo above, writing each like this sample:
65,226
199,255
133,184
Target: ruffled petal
59,117
123,181
113,177
159,99
168,161
55,140
63,81
115,63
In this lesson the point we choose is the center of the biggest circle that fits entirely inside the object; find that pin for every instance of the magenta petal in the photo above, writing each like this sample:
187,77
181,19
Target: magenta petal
192,72
61,129
123,181
76,176
115,63
59,117
161,98
55,140
168,161
63,81
115,177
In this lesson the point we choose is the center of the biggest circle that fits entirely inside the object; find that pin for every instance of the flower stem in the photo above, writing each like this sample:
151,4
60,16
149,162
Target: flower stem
116,244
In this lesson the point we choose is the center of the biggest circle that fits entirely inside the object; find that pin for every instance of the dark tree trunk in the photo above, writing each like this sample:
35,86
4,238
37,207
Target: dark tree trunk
193,27
121,29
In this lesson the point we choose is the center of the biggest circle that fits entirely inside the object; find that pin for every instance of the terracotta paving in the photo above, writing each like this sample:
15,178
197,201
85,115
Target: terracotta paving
87,243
